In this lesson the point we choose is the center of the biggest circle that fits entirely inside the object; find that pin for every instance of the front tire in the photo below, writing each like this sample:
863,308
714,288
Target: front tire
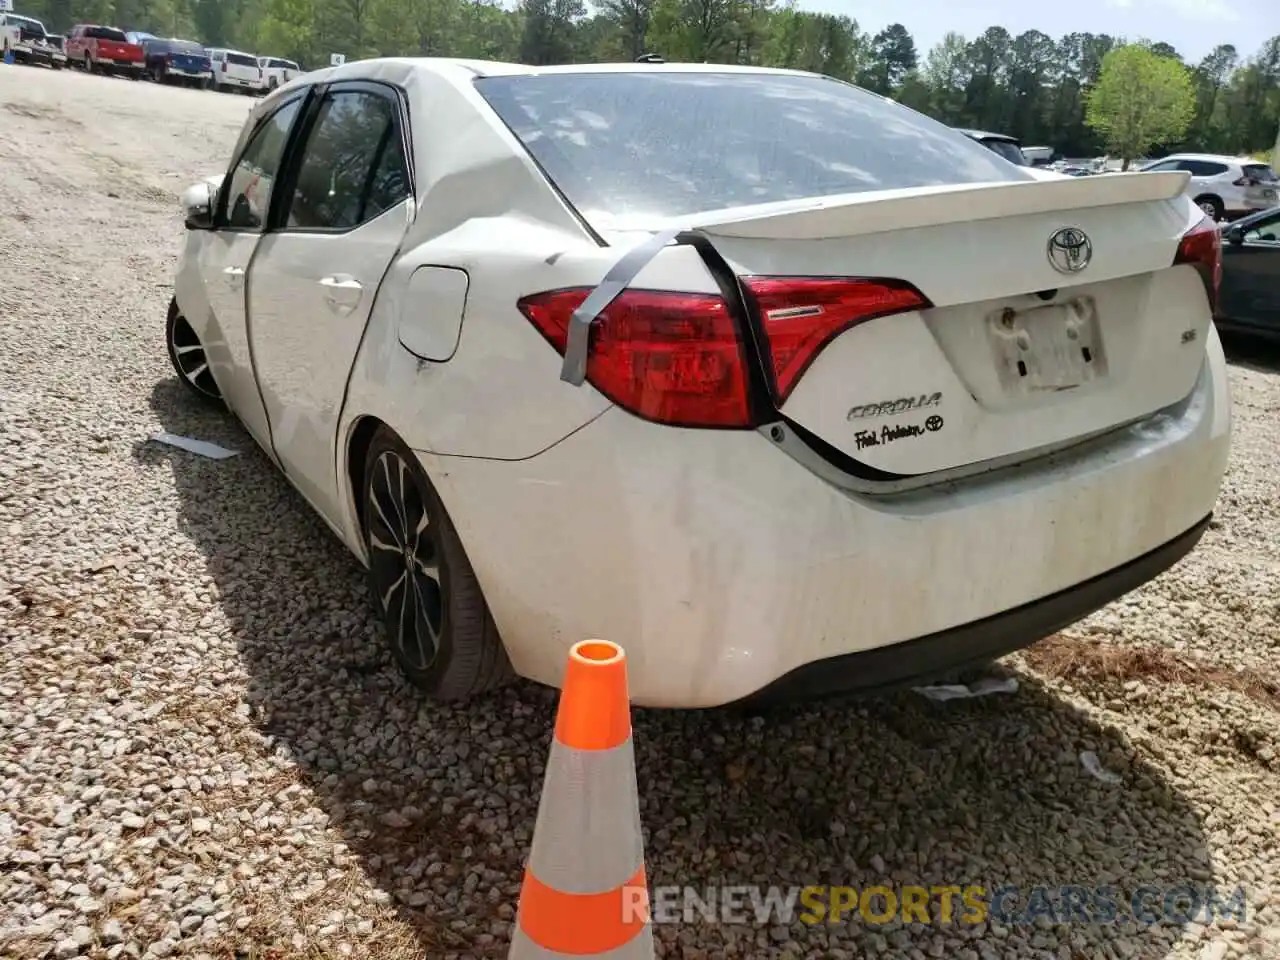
187,355
438,626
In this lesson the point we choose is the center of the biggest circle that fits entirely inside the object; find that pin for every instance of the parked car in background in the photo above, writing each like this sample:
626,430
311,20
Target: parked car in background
177,61
755,471
1006,146
1249,298
98,49
235,70
277,71
1226,188
1038,156
29,42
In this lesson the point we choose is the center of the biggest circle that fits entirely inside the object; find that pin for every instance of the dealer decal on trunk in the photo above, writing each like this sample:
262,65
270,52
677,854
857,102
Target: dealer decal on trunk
891,407
888,434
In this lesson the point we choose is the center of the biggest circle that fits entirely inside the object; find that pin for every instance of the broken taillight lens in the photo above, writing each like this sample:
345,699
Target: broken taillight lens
801,315
673,358
1201,247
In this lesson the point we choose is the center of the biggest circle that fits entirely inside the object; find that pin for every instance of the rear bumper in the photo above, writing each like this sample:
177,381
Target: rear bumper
908,663
725,567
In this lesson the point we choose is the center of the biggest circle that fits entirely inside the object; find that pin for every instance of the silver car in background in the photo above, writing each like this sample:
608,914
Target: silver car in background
1226,188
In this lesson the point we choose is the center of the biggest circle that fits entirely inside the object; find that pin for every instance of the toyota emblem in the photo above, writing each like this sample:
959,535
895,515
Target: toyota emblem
1070,250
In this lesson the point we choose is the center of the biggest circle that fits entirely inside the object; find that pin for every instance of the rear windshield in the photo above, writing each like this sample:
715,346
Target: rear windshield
1006,149
188,47
241,60
667,144
26,23
1260,171
106,33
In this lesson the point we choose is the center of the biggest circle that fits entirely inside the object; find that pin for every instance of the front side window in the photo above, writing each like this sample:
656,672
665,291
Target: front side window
249,190
352,166
1266,230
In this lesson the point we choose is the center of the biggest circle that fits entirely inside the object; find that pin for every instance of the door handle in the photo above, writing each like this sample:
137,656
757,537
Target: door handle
342,282
342,292
234,275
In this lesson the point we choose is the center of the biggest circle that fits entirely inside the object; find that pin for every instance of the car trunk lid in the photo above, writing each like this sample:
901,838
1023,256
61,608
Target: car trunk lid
987,350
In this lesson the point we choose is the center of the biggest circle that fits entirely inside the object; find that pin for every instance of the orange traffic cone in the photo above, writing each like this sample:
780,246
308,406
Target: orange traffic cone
584,892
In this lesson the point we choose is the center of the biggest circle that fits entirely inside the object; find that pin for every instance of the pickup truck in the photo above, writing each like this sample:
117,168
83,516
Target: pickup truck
103,50
277,71
29,42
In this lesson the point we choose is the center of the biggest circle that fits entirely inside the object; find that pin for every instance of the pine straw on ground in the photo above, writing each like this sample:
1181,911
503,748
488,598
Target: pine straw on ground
1078,658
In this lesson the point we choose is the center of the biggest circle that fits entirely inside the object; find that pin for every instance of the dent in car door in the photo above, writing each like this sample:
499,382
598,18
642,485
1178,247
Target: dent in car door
313,282
242,214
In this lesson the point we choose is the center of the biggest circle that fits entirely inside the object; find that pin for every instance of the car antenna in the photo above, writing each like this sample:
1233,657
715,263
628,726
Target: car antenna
649,58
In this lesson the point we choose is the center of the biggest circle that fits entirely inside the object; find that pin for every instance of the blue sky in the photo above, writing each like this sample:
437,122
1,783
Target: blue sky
1194,27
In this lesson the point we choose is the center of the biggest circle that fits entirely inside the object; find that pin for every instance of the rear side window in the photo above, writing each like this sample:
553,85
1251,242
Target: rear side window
106,33
352,166
671,144
1203,168
1260,171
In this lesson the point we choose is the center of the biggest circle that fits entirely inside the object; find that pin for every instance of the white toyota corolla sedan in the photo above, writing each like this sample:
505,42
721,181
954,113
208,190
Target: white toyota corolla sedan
785,387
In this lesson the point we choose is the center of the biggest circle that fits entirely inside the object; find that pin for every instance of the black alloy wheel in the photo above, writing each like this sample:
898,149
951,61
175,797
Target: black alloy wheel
187,355
437,623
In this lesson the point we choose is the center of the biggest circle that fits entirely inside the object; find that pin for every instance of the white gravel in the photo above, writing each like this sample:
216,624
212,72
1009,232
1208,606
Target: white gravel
203,749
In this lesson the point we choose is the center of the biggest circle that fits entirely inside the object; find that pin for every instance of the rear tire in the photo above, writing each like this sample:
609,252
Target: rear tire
437,623
1212,206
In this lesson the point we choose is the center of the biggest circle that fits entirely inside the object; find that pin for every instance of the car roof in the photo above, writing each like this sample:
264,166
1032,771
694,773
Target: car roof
1212,157
499,68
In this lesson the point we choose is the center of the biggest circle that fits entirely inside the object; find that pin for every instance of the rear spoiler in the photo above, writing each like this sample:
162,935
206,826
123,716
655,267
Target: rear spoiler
881,210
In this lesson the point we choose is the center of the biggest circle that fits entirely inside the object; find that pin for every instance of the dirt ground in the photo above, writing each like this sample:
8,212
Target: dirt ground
205,752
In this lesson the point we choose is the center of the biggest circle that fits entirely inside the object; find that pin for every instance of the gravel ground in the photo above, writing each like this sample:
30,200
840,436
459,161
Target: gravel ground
205,751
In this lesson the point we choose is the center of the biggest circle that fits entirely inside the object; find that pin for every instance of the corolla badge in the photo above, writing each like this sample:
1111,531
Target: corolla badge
1070,250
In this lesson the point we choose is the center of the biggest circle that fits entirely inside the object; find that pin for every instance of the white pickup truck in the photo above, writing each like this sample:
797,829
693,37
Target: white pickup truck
276,71
29,42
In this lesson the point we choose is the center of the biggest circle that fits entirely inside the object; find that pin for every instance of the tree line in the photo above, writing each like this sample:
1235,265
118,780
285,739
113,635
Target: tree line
1031,85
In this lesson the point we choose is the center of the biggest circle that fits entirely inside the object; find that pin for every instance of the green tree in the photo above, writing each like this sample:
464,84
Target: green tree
1142,99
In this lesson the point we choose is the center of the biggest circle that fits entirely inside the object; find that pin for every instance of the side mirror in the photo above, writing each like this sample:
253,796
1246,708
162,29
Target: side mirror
1233,235
197,206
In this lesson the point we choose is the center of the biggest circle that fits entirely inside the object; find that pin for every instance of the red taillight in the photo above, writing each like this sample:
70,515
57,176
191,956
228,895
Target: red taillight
1201,246
673,358
259,73
224,66
801,315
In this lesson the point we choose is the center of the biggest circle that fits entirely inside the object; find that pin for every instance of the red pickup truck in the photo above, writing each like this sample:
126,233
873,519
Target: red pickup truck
103,50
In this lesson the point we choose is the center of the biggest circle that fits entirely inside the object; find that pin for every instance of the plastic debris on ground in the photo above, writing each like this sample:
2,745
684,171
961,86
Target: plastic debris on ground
202,447
980,688
1089,760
